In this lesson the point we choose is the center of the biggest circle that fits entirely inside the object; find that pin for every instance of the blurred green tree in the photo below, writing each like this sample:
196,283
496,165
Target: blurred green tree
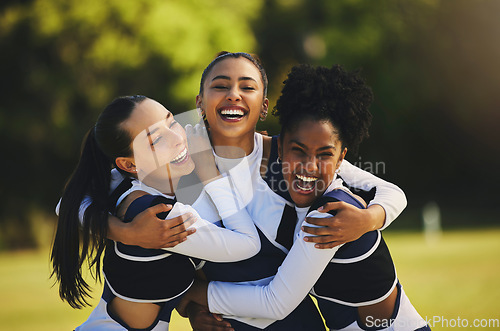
434,66
62,61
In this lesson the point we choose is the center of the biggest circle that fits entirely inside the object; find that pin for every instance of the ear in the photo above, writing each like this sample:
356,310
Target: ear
198,101
265,104
126,164
199,104
341,158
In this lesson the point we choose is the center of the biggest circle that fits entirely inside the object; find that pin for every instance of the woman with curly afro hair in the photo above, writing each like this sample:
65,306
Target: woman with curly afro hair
326,96
324,112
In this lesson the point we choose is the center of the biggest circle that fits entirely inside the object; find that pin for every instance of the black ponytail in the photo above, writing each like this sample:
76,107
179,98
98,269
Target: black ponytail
76,244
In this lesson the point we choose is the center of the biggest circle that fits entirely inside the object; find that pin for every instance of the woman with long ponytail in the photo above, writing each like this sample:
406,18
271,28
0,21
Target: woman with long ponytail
75,243
140,288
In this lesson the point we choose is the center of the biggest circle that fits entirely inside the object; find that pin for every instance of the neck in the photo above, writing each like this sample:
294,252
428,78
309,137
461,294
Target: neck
232,147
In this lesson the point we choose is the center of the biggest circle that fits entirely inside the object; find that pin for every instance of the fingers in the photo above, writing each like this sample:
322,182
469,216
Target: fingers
197,138
188,219
201,128
189,129
328,235
182,221
181,225
211,327
178,238
177,229
328,245
159,208
214,325
326,221
321,231
320,239
201,319
329,206
324,242
218,317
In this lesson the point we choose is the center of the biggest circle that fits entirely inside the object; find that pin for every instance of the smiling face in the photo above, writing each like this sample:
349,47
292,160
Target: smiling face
233,98
160,145
310,154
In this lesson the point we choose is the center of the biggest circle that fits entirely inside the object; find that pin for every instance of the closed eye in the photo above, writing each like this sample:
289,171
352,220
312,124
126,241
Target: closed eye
299,150
174,122
156,140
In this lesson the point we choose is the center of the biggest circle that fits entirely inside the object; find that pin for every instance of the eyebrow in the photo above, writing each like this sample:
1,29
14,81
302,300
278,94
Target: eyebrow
305,147
156,129
229,78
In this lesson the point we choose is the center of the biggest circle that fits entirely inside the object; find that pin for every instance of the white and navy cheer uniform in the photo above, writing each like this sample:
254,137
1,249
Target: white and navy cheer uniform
162,276
360,273
356,274
273,213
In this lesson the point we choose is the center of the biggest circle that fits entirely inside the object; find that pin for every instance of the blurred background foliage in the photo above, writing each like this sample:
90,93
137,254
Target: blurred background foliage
434,66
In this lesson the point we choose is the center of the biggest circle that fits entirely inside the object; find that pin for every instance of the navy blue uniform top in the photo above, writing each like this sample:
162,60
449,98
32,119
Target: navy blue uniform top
146,275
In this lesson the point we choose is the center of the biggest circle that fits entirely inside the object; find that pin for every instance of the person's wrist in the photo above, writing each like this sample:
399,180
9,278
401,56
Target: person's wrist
193,308
126,233
375,217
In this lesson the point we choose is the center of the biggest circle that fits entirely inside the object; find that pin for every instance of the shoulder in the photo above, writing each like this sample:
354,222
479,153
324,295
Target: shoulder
355,196
143,202
339,194
123,206
344,194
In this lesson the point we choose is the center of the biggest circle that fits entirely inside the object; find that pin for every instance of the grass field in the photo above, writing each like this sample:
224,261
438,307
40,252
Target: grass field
456,277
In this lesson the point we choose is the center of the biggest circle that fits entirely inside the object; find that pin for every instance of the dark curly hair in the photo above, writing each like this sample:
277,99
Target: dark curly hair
332,94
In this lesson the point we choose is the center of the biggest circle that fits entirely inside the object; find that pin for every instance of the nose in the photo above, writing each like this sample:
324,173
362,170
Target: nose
233,94
174,138
311,165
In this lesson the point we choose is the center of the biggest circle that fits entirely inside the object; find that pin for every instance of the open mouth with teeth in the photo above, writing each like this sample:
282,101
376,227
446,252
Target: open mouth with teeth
304,184
181,158
232,115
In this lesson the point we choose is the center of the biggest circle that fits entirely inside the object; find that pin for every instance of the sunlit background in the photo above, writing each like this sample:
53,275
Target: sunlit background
434,67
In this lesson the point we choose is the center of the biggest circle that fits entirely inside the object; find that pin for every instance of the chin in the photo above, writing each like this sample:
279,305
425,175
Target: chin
301,202
234,131
186,169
